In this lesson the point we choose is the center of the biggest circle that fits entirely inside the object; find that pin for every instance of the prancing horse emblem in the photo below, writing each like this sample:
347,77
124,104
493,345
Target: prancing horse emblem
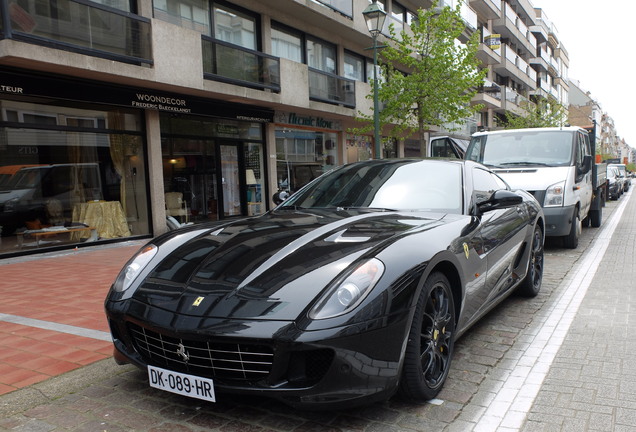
182,352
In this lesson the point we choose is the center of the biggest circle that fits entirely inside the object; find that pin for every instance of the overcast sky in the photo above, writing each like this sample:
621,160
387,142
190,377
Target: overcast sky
599,39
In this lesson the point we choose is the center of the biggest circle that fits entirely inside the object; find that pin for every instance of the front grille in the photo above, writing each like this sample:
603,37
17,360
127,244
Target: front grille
220,360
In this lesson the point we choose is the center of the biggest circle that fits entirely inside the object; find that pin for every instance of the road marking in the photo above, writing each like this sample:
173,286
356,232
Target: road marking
62,328
508,409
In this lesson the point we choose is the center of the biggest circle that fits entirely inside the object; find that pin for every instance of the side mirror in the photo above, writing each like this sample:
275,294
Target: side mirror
500,199
280,196
587,163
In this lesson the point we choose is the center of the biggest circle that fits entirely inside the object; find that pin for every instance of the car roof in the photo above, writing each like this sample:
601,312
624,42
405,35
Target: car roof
547,129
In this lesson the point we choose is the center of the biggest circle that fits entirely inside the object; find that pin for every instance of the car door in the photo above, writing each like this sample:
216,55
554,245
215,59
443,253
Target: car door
503,233
583,176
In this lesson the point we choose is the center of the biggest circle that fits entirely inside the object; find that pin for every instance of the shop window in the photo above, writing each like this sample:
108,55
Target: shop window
302,156
216,165
69,185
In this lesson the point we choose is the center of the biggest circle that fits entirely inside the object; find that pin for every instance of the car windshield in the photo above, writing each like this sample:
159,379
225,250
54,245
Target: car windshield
394,185
552,148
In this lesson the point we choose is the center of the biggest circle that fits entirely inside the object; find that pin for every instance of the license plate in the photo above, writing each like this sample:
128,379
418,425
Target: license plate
183,384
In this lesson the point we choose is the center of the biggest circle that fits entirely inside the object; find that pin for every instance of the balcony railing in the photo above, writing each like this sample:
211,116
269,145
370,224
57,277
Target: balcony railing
79,26
345,7
234,64
330,88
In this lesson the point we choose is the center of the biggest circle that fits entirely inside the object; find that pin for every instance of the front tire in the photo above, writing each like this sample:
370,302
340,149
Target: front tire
531,284
571,241
429,348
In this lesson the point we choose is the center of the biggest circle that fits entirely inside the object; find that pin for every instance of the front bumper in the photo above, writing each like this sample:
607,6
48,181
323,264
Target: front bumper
332,368
558,220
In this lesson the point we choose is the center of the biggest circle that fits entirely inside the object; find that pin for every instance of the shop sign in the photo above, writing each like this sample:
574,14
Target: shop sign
307,121
161,103
17,83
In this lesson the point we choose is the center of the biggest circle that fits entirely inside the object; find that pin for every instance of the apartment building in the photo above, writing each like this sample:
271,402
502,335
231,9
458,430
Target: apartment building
119,113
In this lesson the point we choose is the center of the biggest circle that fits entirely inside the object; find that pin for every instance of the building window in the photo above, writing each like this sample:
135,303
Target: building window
235,27
192,14
398,17
287,44
354,66
321,55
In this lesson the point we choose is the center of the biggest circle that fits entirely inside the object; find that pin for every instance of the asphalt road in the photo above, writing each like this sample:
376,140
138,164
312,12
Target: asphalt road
559,361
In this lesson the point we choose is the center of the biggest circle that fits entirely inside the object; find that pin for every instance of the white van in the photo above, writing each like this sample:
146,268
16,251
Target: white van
554,164
33,188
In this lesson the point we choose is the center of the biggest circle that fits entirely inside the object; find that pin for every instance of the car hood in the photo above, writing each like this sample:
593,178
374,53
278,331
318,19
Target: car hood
269,267
533,178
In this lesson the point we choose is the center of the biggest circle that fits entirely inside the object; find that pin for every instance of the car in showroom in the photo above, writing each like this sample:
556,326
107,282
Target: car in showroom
354,288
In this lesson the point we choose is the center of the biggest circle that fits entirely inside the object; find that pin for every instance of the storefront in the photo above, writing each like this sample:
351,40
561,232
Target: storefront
74,161
213,167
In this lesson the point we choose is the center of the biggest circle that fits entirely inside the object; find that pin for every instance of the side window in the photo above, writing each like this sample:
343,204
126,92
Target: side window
485,184
474,149
442,148
582,151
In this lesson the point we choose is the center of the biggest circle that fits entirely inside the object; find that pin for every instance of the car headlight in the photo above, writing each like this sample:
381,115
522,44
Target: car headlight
554,195
129,273
10,205
349,290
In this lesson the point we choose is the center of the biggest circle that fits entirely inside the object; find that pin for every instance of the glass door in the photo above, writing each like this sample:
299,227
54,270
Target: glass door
230,183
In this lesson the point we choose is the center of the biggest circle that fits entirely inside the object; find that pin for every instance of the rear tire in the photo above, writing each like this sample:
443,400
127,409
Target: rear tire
597,217
429,348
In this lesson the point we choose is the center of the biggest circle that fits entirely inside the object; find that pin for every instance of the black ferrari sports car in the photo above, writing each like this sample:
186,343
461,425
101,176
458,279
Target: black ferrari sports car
354,288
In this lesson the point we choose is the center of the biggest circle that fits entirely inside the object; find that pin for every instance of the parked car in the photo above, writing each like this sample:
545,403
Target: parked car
615,182
623,175
354,288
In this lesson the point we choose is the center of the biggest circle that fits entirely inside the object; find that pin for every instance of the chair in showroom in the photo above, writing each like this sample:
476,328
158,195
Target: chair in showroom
176,206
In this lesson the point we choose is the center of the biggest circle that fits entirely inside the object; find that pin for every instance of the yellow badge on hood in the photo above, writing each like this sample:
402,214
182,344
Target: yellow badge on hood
466,251
198,301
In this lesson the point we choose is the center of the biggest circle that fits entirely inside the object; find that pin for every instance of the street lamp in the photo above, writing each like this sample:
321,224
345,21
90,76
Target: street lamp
375,16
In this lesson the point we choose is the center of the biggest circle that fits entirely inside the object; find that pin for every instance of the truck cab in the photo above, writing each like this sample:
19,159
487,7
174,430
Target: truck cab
553,164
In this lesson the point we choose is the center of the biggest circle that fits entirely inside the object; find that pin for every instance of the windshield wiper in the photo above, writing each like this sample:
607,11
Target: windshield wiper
371,209
526,163
291,207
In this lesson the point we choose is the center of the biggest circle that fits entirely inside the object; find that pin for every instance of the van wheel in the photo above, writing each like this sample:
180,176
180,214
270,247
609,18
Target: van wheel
596,216
571,241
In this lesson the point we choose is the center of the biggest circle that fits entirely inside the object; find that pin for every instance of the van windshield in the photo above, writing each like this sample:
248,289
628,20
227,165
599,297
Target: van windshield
524,148
26,179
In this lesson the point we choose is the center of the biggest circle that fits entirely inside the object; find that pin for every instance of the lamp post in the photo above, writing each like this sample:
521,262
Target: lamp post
374,17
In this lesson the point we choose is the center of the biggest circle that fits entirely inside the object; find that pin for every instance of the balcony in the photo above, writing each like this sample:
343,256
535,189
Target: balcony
488,9
488,95
82,27
234,64
330,88
511,26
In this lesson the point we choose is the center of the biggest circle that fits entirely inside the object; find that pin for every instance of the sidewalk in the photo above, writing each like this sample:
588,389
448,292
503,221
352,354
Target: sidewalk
51,312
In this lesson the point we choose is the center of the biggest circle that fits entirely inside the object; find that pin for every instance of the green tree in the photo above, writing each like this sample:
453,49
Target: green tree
429,78
543,113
